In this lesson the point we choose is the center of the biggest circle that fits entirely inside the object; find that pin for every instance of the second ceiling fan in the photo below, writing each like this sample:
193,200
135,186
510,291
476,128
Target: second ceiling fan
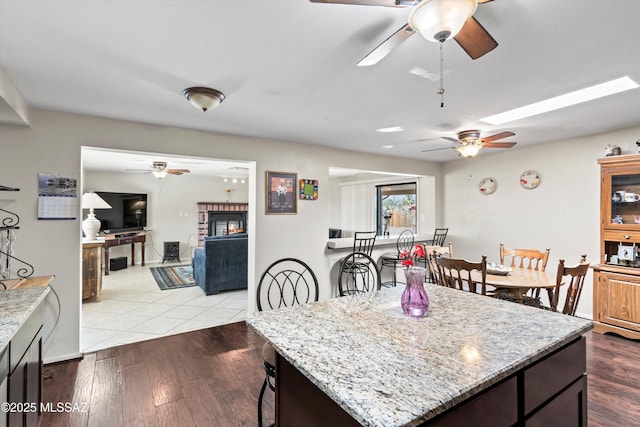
437,21
469,142
159,170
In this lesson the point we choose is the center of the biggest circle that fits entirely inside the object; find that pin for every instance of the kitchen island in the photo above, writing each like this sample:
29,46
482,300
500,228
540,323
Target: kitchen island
473,360
21,321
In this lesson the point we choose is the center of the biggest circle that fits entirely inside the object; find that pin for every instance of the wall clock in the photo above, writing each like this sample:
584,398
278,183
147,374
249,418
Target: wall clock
488,185
530,179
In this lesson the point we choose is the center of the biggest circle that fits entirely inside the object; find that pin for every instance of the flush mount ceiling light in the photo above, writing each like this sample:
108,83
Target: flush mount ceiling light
203,98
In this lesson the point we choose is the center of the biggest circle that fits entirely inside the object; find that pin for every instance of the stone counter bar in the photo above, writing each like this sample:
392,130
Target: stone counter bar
388,241
385,369
16,306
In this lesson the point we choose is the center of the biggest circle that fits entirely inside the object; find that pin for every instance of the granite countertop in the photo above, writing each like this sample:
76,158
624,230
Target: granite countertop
16,305
387,369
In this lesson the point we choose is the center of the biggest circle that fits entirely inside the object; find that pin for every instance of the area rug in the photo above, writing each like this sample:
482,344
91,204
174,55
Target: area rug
173,277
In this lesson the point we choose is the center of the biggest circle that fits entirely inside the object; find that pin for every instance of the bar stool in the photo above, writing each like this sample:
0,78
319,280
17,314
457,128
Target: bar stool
392,259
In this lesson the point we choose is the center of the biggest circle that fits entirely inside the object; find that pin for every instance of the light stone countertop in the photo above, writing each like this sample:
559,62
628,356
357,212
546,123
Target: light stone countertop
386,369
16,305
347,242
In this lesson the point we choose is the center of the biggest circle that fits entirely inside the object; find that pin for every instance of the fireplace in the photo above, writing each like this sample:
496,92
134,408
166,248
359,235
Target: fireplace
222,223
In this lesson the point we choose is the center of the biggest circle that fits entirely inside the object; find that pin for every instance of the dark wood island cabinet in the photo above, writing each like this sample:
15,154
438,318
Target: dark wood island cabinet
21,324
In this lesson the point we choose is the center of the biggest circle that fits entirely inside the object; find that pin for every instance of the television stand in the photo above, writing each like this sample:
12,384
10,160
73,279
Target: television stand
119,239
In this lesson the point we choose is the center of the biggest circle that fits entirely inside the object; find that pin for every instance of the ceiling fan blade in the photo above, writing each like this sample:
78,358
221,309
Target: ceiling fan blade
177,171
387,46
497,136
438,149
387,3
474,39
499,144
448,138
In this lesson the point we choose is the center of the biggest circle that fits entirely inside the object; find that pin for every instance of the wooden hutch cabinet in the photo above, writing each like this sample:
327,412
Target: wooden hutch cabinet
616,280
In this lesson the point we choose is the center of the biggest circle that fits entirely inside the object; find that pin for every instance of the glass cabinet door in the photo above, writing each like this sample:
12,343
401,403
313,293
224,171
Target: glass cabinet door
625,200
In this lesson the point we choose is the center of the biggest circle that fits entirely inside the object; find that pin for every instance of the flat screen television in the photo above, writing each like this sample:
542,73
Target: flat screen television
128,212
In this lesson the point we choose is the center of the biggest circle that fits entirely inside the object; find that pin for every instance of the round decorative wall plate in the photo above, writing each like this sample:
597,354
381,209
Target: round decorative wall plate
488,185
530,179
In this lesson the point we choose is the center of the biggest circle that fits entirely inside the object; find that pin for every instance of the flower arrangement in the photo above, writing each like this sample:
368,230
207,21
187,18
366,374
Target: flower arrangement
408,257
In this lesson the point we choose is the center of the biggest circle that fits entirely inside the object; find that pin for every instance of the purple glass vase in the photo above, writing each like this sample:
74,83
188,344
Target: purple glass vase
415,301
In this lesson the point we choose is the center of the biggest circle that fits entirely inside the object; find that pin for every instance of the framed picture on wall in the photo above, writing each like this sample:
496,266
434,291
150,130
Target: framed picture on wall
281,193
309,189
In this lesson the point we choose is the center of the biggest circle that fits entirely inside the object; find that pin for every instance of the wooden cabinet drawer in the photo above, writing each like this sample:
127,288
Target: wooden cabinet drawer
552,374
496,407
569,409
621,236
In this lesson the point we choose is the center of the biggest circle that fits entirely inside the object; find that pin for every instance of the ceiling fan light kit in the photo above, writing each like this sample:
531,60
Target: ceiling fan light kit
439,20
203,98
469,150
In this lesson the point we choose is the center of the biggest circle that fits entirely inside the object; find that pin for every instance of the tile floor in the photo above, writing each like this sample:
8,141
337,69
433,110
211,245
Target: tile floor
133,309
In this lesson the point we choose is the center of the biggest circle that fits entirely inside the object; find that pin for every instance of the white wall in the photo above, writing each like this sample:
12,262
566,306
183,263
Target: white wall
53,144
563,213
172,211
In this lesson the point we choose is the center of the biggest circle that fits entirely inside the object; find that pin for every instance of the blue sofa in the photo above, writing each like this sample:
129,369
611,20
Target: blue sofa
221,265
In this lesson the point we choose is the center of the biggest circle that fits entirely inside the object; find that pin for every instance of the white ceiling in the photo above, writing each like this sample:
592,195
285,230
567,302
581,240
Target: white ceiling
288,68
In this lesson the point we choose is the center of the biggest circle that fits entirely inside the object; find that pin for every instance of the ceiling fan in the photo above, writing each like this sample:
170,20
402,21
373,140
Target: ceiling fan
469,142
437,21
159,170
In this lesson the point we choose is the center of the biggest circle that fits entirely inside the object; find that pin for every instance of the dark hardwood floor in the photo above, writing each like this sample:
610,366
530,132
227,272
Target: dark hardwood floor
212,377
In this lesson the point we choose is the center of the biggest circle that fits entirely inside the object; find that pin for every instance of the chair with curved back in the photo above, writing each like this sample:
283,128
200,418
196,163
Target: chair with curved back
358,274
456,273
531,259
436,252
573,279
285,283
392,259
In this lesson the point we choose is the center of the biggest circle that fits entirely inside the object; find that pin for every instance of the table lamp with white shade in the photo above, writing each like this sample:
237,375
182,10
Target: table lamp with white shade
91,225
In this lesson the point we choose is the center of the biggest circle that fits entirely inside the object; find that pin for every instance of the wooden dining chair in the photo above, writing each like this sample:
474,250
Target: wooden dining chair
456,273
531,259
432,268
358,274
286,282
571,278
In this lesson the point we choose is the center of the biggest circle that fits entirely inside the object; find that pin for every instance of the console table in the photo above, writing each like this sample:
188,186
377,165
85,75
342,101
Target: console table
111,240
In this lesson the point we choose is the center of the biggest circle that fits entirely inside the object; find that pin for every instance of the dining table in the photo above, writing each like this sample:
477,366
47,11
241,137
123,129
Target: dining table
518,281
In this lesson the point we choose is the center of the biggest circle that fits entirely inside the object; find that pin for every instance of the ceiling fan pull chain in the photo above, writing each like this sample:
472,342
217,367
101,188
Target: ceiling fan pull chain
440,90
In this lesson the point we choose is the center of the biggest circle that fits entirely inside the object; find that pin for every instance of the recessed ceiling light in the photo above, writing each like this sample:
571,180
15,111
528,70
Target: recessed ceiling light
387,147
572,98
390,129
